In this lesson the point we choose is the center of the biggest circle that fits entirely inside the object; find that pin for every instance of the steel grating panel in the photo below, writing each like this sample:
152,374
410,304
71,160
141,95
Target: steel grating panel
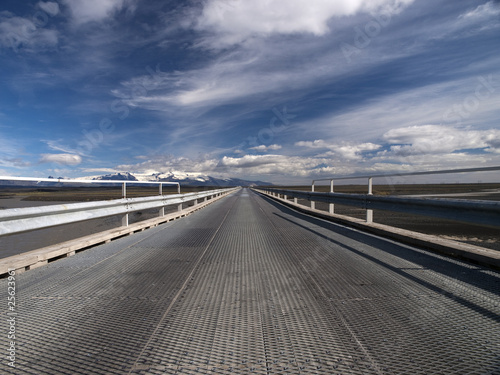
247,286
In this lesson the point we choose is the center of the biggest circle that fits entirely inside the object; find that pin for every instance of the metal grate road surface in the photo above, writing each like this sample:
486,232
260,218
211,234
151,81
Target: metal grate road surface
248,286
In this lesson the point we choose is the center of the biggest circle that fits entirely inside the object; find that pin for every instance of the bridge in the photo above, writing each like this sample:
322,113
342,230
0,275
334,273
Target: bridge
249,284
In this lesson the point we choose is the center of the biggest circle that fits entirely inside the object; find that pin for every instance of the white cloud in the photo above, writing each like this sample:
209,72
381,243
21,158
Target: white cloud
236,77
353,151
344,150
282,166
264,148
318,143
14,162
447,103
67,159
10,146
100,170
250,161
236,21
478,20
49,7
18,32
167,163
12,153
93,10
411,148
439,139
275,67
264,165
243,167
232,78
481,12
247,72
417,148
56,145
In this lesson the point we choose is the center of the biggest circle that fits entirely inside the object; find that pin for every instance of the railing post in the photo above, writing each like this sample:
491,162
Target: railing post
369,216
313,203
179,207
331,206
125,220
161,211
124,195
369,213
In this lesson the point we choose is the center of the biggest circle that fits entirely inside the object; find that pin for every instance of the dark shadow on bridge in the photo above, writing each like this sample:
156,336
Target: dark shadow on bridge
458,270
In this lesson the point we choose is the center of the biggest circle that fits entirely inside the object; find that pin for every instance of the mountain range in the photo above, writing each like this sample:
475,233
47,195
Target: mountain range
185,179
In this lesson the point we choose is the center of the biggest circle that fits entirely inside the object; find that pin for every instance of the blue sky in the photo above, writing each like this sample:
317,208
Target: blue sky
277,90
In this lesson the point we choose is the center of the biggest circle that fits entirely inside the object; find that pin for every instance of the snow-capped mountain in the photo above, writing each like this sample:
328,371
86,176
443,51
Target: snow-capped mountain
186,179
117,176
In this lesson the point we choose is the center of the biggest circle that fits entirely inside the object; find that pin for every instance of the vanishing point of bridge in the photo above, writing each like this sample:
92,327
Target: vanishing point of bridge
247,285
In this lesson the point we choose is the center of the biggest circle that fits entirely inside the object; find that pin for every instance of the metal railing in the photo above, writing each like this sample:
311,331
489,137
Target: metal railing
473,211
77,181
123,183
371,177
17,220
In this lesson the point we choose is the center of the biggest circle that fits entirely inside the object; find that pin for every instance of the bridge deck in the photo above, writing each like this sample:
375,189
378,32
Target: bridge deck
248,286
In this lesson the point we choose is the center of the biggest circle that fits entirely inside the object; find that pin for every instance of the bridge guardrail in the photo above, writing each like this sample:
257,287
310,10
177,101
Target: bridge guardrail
25,219
17,220
474,211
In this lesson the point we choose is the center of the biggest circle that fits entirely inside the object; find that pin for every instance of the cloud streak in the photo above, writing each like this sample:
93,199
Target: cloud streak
64,159
234,22
19,33
93,10
436,139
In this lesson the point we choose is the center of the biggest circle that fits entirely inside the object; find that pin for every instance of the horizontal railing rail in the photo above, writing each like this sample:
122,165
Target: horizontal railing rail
17,220
469,211
123,183
369,211
421,173
370,178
